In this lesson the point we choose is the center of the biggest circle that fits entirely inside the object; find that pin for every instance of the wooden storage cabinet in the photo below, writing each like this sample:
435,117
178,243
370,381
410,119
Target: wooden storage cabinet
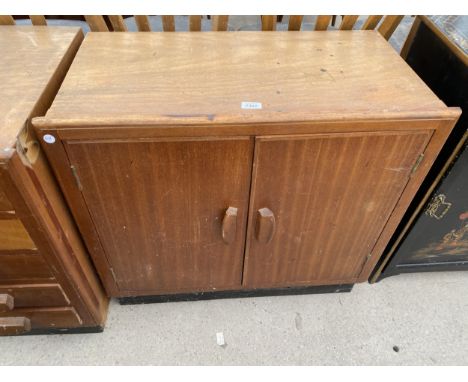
249,162
47,282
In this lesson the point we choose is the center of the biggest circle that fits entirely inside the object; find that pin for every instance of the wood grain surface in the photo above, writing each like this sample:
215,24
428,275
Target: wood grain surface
322,23
5,205
118,23
195,23
36,295
29,58
331,196
18,266
159,206
38,20
294,23
149,144
65,317
183,78
14,236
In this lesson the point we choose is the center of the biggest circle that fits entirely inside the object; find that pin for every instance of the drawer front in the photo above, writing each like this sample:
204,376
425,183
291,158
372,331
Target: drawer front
17,267
13,236
43,318
40,295
5,204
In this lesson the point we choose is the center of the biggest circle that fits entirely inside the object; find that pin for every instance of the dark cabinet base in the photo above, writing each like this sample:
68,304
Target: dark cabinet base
45,331
196,296
428,267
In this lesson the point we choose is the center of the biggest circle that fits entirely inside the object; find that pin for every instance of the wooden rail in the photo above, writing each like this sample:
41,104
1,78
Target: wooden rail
386,25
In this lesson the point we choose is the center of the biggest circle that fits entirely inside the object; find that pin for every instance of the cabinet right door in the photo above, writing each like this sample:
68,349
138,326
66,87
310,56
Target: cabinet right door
320,202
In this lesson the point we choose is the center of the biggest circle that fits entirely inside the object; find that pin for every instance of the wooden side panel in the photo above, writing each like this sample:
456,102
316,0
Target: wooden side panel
331,196
159,207
14,236
441,132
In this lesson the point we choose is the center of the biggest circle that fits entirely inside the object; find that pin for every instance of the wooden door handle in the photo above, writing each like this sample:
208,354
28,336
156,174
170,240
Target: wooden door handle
6,303
229,226
266,225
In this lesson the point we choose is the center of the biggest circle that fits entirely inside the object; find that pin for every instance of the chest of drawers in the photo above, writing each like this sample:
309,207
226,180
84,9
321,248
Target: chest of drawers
47,282
210,163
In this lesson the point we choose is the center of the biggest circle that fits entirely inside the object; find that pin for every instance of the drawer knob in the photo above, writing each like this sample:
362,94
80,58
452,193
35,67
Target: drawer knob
14,325
6,303
229,225
266,225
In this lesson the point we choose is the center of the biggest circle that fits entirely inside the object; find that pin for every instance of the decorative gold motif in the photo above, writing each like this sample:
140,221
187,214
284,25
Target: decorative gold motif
434,206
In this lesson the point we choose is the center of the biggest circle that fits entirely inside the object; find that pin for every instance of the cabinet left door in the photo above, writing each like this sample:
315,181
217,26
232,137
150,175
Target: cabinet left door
170,214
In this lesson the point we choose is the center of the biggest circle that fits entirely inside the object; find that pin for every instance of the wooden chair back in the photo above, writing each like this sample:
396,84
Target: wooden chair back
386,25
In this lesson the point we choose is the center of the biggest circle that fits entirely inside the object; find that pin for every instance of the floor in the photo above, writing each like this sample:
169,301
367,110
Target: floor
418,319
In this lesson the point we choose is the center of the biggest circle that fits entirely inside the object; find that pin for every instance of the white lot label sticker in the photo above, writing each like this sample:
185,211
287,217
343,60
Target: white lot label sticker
220,339
251,105
48,138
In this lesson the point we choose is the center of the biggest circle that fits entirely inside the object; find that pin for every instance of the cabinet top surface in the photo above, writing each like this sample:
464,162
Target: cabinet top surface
29,57
187,77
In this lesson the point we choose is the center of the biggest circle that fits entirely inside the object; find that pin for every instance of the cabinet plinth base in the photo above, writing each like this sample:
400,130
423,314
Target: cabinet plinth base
449,266
80,330
196,296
